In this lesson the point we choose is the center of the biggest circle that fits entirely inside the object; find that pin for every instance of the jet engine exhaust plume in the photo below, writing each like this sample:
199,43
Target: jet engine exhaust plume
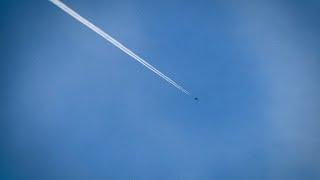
116,43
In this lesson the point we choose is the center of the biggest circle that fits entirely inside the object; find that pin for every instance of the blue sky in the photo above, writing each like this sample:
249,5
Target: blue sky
76,107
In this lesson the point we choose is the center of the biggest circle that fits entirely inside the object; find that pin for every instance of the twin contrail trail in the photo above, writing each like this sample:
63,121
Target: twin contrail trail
116,43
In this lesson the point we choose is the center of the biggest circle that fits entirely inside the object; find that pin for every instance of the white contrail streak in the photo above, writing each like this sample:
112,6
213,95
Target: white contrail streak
107,37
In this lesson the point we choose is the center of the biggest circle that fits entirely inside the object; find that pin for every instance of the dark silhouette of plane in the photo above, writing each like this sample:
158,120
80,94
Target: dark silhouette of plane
197,99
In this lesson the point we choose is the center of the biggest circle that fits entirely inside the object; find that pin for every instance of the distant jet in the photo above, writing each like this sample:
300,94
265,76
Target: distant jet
196,99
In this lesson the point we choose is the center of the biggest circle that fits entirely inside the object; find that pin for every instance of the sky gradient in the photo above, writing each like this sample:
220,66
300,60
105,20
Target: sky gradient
76,107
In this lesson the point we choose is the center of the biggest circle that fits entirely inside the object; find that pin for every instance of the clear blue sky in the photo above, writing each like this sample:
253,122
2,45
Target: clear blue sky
73,106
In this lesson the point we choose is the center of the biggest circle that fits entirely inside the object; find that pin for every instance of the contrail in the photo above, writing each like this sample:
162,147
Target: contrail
116,43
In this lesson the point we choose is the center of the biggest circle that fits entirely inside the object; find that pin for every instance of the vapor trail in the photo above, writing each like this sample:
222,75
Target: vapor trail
116,43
